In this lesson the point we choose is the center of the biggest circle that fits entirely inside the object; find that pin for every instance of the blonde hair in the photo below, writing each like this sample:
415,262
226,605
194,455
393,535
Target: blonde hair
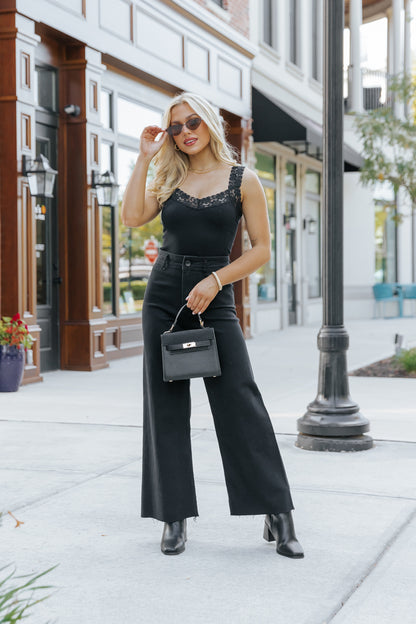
172,165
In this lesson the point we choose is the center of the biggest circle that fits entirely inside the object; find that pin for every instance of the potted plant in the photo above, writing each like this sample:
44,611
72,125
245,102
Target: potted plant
15,340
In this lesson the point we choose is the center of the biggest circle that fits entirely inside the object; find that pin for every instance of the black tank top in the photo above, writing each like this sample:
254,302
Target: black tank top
206,226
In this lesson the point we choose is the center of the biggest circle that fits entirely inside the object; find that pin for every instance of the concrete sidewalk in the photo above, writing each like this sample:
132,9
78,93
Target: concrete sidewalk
70,470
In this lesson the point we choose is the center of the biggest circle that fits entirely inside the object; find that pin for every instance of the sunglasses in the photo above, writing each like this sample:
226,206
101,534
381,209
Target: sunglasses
191,124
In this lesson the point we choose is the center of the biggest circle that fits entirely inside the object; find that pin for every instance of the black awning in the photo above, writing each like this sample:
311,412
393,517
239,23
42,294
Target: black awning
273,121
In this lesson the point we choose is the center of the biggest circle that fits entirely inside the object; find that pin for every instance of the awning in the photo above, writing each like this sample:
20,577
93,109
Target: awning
273,121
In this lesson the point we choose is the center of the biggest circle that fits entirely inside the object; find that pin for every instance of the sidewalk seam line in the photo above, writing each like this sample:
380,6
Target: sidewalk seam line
40,501
212,428
371,566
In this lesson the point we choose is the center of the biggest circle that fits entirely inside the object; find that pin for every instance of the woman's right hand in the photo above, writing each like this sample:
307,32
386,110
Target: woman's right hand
149,147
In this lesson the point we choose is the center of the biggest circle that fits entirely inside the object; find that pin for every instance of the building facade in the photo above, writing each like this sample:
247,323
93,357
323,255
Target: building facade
82,80
287,99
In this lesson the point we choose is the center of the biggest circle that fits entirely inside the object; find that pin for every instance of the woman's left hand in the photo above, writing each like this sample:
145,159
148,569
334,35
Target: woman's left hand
202,294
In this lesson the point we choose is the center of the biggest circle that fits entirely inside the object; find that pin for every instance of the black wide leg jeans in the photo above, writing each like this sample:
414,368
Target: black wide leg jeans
254,472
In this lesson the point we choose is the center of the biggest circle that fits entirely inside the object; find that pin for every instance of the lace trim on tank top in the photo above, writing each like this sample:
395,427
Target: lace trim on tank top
233,191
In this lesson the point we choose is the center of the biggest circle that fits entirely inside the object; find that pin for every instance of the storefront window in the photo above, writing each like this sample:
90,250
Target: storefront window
107,255
124,265
385,244
312,229
133,117
265,166
106,109
313,182
107,161
134,268
385,234
290,177
46,92
266,275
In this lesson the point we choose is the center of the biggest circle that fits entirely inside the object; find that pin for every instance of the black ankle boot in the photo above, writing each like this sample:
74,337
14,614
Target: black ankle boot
173,538
280,527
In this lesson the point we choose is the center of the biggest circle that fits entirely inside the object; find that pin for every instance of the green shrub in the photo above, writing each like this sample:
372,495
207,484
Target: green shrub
17,599
407,359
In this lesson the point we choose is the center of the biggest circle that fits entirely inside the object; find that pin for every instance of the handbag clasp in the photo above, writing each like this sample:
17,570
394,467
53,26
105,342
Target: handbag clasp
188,345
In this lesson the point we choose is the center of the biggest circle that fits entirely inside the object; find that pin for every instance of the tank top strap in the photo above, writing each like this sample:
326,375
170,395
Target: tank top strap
236,176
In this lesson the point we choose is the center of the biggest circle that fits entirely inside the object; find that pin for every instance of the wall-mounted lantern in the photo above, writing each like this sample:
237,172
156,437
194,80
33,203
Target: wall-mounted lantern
40,175
289,222
106,188
310,224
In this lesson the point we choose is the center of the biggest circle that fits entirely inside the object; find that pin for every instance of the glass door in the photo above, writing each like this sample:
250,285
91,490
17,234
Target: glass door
290,259
47,263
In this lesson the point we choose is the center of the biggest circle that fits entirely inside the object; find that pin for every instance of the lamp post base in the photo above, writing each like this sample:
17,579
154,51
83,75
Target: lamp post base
337,445
333,421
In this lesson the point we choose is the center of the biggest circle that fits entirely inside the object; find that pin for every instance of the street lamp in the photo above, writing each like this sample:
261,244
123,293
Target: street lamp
40,175
333,421
106,188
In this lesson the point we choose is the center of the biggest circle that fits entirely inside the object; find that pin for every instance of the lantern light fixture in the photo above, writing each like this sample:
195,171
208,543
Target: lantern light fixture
106,187
40,175
289,222
311,224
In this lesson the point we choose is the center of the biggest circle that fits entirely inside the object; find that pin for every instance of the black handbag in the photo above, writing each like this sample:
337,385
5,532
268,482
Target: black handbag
189,353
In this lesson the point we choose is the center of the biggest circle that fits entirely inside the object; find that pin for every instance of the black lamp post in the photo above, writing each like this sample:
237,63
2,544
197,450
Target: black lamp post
333,421
106,188
40,175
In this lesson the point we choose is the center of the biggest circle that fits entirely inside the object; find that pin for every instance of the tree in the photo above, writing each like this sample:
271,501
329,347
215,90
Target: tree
389,142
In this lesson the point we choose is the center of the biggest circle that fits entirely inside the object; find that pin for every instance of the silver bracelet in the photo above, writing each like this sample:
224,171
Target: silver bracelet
217,279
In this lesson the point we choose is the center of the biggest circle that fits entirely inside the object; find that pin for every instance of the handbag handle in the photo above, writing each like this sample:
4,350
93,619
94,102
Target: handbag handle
201,322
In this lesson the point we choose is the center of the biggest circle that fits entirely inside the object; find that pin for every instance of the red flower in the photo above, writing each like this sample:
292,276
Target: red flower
16,317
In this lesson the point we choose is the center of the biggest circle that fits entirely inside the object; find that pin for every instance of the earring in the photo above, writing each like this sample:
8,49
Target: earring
177,147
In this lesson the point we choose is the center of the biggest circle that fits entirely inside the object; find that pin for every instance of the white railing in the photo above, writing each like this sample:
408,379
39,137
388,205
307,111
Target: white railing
375,88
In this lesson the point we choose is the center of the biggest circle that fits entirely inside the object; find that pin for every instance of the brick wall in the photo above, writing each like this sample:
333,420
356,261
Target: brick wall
238,11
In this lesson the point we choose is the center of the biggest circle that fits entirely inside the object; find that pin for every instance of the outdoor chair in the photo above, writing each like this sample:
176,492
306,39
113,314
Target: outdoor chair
409,292
384,293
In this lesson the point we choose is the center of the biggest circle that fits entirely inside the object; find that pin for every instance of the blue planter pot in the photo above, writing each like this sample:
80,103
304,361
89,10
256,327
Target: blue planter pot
12,366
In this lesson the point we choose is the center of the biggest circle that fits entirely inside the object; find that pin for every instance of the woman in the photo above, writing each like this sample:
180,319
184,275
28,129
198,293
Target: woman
202,194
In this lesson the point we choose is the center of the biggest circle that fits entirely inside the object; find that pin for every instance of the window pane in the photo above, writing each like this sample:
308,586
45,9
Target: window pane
126,159
46,91
133,117
106,157
385,244
267,22
266,288
134,269
313,246
313,182
290,177
107,255
106,109
265,166
315,40
293,31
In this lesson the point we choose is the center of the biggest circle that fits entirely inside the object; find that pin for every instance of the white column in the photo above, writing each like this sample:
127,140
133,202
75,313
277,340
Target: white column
397,48
355,82
389,15
407,47
397,36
